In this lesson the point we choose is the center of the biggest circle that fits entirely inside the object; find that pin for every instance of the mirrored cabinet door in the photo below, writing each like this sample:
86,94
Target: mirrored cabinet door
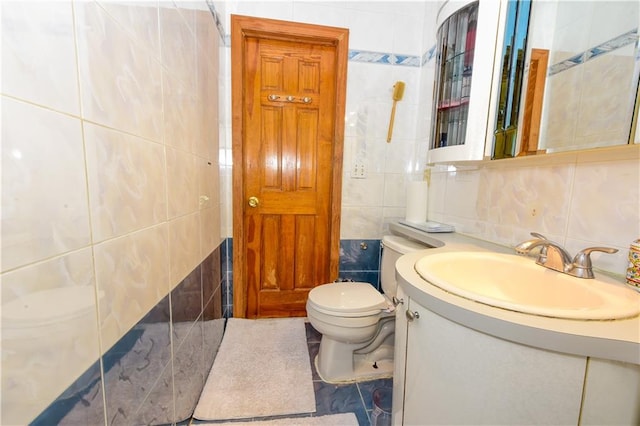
465,56
456,41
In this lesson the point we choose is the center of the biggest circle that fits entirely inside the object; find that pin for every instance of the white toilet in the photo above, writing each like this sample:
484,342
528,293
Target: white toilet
357,322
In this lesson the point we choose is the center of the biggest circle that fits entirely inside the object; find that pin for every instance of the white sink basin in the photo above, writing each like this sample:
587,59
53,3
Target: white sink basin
517,283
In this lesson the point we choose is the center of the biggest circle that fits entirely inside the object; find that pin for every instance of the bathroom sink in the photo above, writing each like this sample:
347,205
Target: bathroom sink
518,284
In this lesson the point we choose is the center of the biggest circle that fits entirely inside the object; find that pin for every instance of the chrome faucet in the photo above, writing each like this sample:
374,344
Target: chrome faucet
553,256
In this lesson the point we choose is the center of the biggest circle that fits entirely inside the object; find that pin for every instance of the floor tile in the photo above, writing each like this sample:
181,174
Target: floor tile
337,398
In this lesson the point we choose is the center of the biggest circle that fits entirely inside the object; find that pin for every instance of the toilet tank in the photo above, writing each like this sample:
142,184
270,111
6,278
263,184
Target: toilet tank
393,247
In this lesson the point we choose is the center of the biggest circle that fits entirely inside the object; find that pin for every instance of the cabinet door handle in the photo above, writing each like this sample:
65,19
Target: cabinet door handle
397,301
412,315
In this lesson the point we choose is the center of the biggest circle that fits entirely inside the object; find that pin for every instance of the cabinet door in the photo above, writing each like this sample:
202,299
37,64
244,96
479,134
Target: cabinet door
399,355
611,394
466,51
455,375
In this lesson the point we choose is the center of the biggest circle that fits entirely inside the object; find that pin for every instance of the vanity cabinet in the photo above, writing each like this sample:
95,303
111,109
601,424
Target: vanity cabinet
446,373
465,57
399,356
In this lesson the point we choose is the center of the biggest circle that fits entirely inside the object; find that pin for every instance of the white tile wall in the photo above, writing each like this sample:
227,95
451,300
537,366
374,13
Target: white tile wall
500,202
387,27
109,178
44,203
577,199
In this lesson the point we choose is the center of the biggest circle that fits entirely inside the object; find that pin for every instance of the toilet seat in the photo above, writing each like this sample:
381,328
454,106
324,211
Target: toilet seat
347,299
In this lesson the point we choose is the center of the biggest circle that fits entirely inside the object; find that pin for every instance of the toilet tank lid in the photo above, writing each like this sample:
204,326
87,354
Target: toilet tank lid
347,297
402,245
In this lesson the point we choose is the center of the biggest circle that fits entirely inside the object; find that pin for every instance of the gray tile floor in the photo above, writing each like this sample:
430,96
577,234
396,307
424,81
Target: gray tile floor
333,399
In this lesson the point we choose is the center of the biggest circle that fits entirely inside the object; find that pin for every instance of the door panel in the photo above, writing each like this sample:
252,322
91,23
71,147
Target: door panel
290,141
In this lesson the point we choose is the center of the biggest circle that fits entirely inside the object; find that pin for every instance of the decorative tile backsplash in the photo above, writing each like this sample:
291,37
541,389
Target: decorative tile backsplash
384,58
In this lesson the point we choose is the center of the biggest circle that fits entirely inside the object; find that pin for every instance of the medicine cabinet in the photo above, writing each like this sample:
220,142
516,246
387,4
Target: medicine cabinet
527,77
465,57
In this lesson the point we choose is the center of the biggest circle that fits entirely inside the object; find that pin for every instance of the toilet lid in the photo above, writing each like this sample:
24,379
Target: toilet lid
348,298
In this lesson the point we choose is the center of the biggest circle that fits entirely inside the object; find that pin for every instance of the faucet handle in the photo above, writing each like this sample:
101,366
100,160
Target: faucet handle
525,246
581,264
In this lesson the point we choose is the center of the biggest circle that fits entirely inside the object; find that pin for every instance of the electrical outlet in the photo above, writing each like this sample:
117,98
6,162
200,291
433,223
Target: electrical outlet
358,170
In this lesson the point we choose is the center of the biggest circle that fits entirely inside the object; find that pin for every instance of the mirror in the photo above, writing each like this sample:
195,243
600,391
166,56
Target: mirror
587,95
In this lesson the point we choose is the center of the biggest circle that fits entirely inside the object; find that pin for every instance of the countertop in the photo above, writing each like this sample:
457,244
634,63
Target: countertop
617,340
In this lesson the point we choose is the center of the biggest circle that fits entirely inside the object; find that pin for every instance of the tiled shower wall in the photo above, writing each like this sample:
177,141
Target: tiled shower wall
110,208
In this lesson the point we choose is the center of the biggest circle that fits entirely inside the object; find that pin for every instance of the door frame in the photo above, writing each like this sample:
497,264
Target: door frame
241,28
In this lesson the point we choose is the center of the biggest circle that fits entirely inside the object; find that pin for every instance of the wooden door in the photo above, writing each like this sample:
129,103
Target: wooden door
288,90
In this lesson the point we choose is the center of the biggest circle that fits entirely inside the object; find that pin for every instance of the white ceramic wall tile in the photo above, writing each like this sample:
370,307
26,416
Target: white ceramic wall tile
207,39
139,20
613,218
395,194
437,192
606,110
612,18
127,182
573,24
276,9
208,184
226,204
361,222
183,182
47,305
209,230
113,69
423,125
318,12
522,198
44,195
132,274
181,114
208,76
367,83
188,10
429,25
542,24
38,54
369,30
224,88
366,192
184,246
462,194
120,82
407,30
349,151
561,114
178,46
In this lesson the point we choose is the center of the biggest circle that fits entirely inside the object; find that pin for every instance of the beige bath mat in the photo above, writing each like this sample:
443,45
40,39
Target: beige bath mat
344,419
262,369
